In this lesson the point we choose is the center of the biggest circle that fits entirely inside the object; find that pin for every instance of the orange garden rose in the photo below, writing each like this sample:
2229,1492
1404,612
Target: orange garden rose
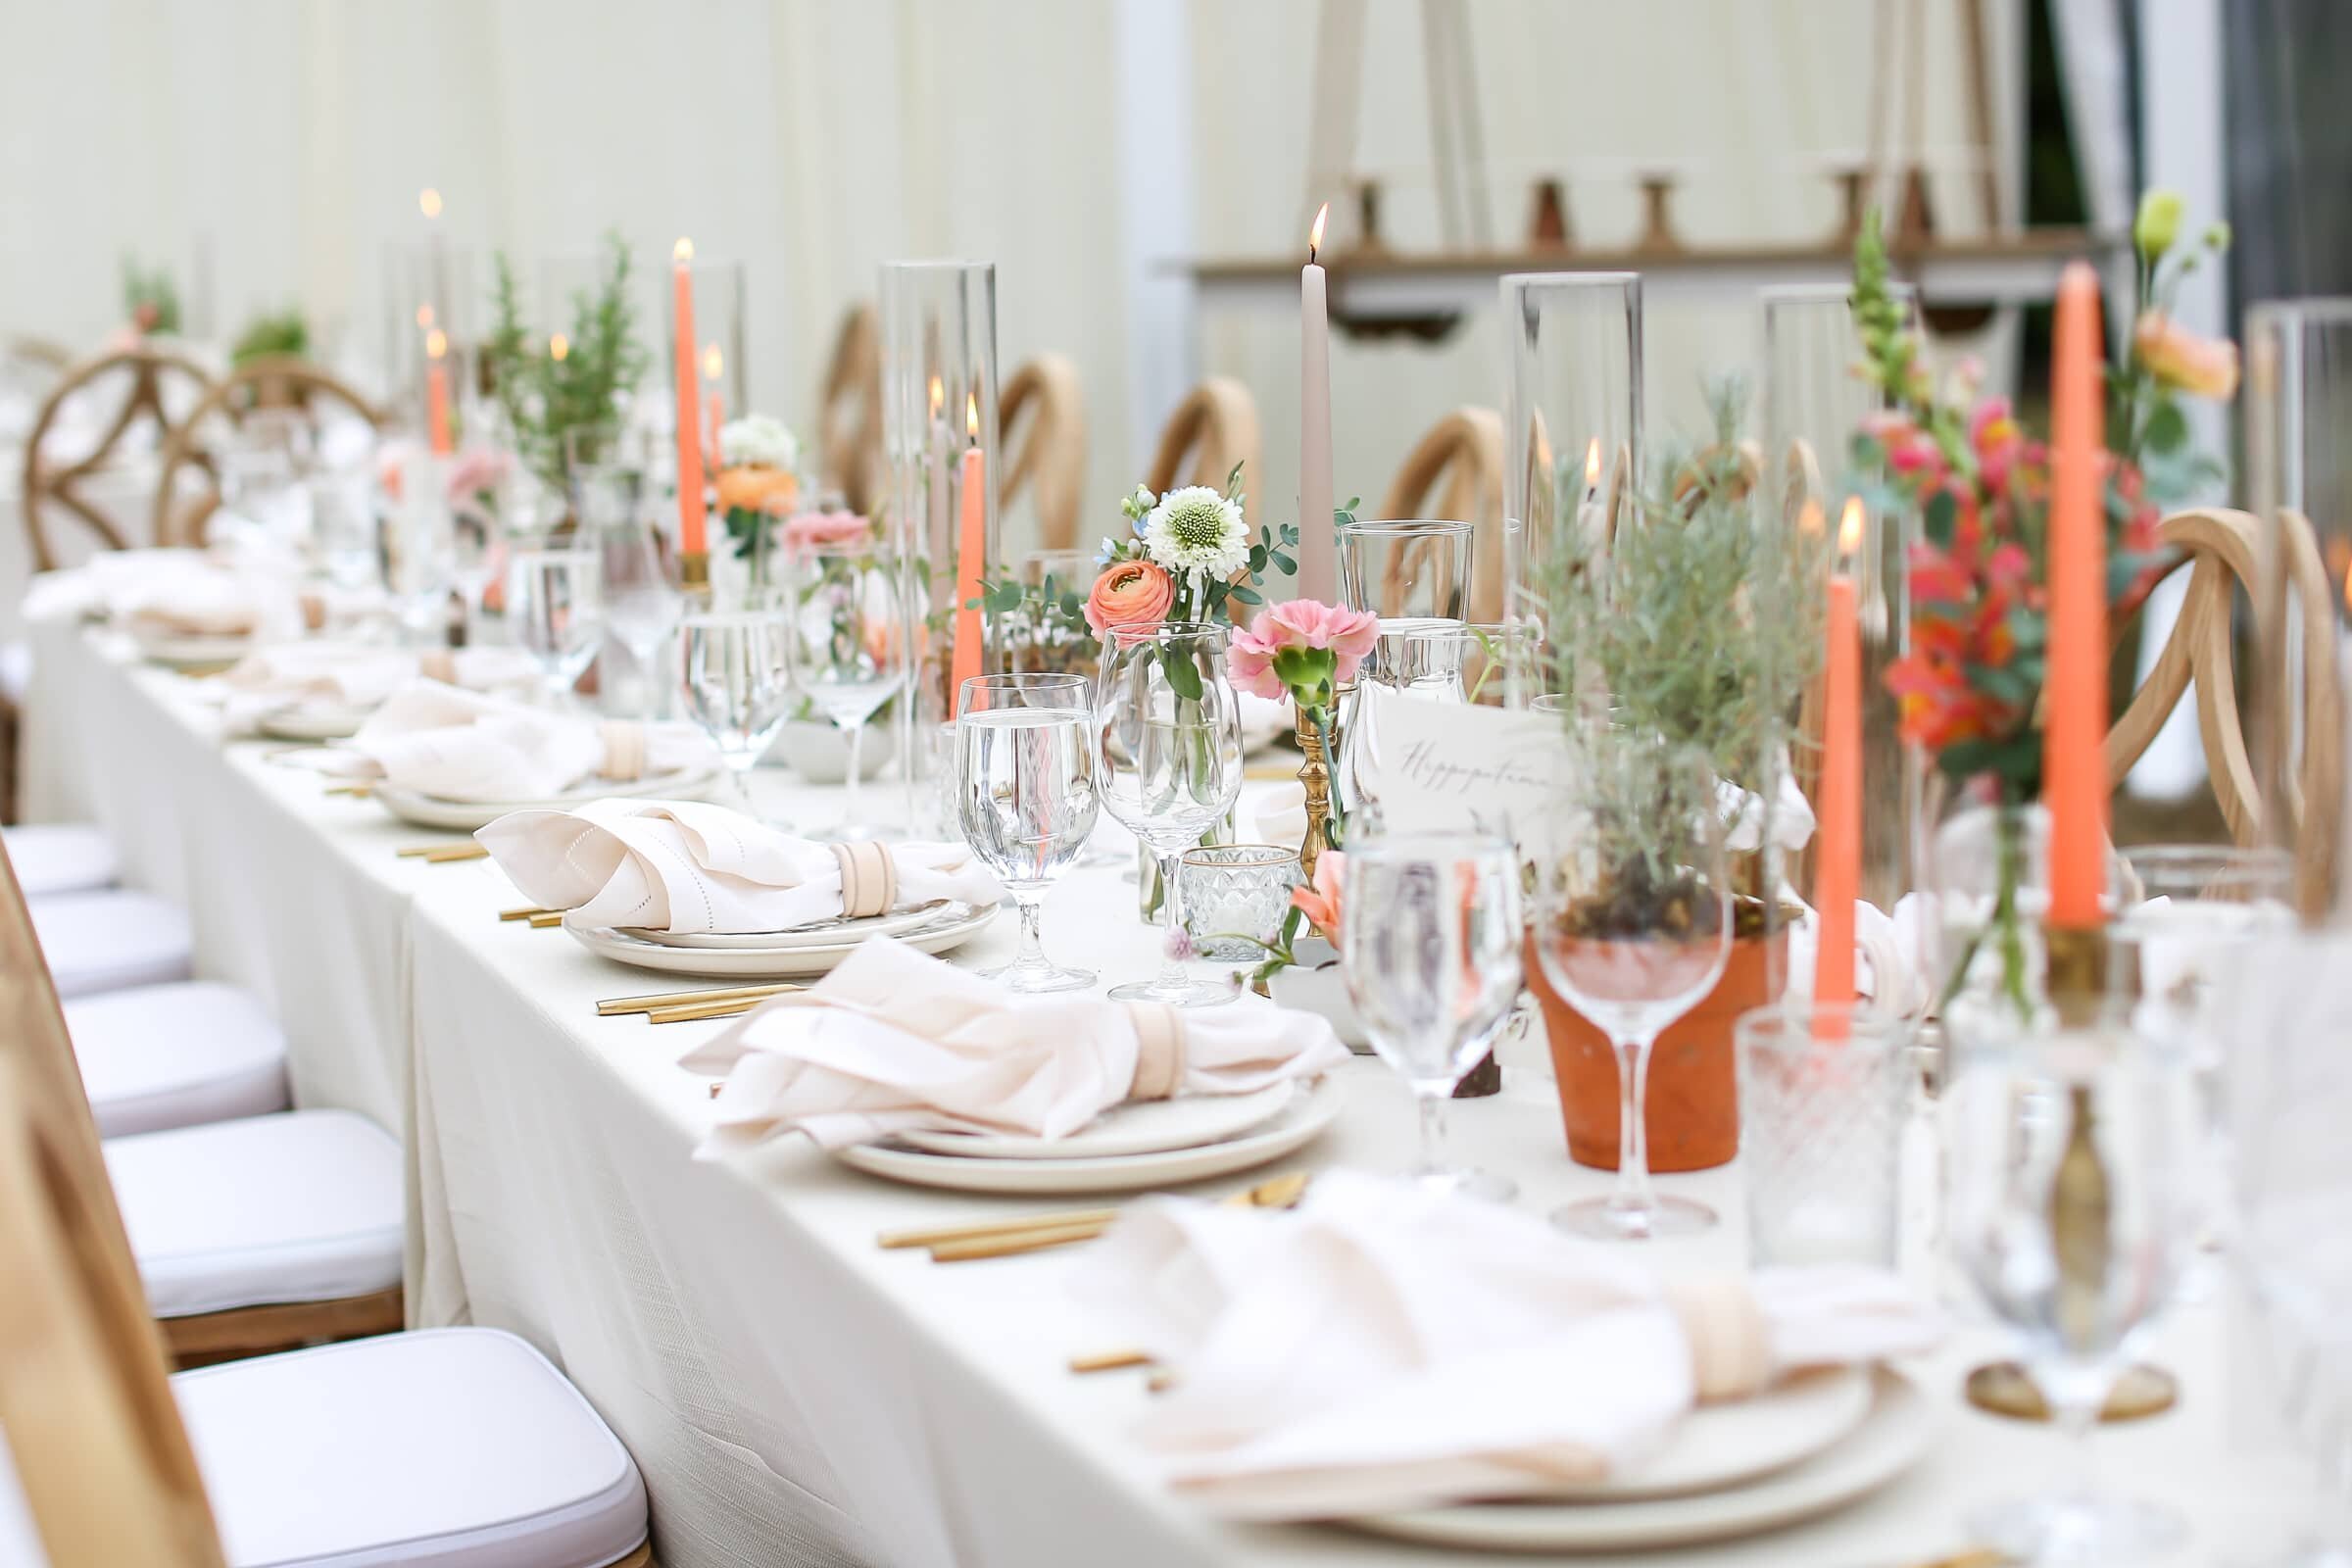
1129,593
754,488
2202,367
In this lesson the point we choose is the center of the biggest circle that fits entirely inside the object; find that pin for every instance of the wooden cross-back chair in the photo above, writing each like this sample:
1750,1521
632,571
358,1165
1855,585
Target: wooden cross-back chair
1049,451
277,381
849,413
1459,461
145,371
1213,428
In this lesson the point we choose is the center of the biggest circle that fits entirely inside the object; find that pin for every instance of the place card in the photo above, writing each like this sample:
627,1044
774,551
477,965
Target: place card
1450,767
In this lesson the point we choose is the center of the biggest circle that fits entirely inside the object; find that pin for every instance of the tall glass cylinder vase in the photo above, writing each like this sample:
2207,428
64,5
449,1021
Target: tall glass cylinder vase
941,440
721,370
1572,425
2299,462
429,285
1814,403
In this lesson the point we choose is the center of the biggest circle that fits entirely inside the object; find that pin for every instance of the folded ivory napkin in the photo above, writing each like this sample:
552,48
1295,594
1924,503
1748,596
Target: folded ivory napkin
689,866
470,745
1382,1347
176,593
359,675
1893,954
893,1040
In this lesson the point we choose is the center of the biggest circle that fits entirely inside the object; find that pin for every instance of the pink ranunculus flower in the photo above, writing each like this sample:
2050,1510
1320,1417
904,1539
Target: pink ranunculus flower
1131,594
806,532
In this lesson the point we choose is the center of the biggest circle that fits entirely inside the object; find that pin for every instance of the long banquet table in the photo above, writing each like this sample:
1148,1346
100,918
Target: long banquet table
794,1394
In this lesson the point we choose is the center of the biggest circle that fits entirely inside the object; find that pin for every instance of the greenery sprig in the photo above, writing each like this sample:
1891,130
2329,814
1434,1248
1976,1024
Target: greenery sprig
544,397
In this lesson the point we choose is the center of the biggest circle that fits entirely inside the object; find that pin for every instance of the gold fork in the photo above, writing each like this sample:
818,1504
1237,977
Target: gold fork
1039,1232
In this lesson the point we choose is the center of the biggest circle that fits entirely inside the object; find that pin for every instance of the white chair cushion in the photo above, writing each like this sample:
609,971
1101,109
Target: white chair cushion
16,670
306,1207
106,941
60,857
449,1448
176,1055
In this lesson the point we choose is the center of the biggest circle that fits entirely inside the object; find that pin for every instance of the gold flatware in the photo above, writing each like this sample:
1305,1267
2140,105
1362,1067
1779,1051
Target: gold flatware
441,853
1979,1558
545,918
702,1010
656,1001
948,1235
1009,1239
356,791
1019,1242
524,913
1109,1361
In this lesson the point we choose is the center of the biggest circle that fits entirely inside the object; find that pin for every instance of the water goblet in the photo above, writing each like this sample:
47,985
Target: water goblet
1431,956
1634,927
1167,738
842,618
735,682
642,602
554,600
1025,799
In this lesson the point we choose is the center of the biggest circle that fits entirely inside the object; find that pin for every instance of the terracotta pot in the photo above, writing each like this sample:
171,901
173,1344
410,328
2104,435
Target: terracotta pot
1693,1110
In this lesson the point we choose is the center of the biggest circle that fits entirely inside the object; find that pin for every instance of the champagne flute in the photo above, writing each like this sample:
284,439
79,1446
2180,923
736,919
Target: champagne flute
1167,736
736,682
1025,799
1633,927
1432,942
842,624
2072,1208
556,600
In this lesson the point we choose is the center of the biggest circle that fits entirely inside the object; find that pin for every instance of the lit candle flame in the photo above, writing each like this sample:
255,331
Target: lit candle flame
1592,464
436,344
971,418
682,251
939,397
1810,520
1314,236
1849,527
557,346
713,361
424,318
428,202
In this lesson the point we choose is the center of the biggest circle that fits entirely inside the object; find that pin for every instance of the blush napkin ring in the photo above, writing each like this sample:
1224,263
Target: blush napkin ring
625,750
1729,1357
438,663
1159,1050
870,879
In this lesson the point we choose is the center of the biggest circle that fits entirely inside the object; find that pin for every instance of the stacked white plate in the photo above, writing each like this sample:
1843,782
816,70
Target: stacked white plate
312,721
465,816
1129,1148
191,652
1807,1448
782,955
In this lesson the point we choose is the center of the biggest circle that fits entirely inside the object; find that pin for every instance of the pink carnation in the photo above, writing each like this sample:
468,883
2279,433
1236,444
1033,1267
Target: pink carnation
1302,624
477,469
806,532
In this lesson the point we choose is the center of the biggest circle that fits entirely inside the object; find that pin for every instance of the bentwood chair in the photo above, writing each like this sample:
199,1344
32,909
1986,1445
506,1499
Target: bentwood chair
1043,415
185,504
1455,470
848,415
1213,428
461,1447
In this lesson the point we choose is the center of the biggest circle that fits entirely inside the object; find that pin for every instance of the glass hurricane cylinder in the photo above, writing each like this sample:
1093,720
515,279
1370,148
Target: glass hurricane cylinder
428,284
721,367
1813,405
1571,424
1409,569
2299,472
941,441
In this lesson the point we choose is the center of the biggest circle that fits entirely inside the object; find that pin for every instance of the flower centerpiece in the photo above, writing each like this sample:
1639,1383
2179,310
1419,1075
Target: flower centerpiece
579,381
1306,649
1043,626
150,299
1969,687
758,486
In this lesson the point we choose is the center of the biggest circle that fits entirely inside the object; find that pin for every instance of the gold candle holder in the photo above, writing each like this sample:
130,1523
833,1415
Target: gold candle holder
1315,773
693,576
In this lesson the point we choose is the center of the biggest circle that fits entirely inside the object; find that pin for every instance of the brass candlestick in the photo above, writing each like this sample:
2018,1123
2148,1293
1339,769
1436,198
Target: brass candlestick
693,576
1315,773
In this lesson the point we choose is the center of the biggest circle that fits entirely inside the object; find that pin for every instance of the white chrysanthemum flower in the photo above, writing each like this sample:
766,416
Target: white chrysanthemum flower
757,439
1196,530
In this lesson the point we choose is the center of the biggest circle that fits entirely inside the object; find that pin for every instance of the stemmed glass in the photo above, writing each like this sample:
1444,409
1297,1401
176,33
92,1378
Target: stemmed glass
554,599
642,604
2072,1208
418,547
1633,927
1025,799
842,621
736,681
1169,746
1432,945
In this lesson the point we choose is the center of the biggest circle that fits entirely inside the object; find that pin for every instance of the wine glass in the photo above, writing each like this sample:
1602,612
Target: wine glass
736,681
1025,799
554,599
642,604
1432,945
1169,746
1633,927
2072,1208
842,622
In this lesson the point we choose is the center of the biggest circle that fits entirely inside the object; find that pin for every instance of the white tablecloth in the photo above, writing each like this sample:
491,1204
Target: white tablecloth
794,1394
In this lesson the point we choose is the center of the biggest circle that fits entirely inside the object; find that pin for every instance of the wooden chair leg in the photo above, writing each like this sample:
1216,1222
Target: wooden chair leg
210,1337
642,1557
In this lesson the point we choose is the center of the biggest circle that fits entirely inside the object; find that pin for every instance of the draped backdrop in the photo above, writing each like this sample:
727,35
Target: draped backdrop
267,151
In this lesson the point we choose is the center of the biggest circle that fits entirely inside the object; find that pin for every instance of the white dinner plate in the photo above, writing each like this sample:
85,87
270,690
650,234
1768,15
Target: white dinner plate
1887,1441
1293,1127
1136,1127
465,816
312,723
769,963
819,934
192,652
1729,1444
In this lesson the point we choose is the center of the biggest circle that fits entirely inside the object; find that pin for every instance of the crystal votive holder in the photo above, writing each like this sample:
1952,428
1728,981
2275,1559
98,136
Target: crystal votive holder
1235,898
1822,1094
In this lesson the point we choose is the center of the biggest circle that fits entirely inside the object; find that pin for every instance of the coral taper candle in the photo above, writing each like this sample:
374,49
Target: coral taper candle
436,392
691,521
1318,550
2073,742
1838,853
971,551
